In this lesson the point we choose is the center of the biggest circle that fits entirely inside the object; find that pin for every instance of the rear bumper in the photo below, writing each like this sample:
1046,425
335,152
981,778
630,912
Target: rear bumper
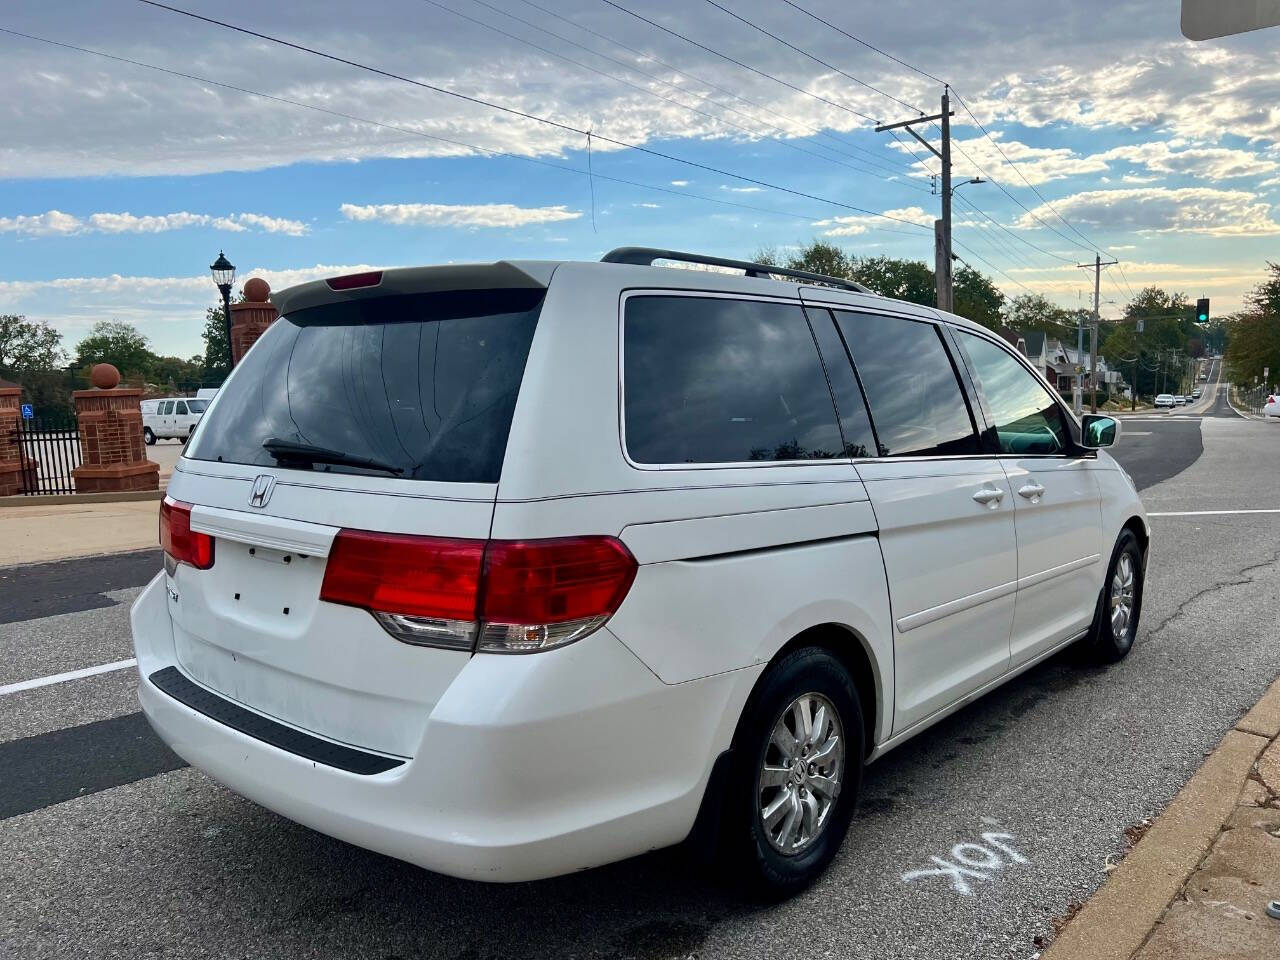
529,767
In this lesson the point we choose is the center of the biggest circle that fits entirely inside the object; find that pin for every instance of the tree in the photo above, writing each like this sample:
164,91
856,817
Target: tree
119,344
977,298
1035,312
29,345
910,280
216,366
1254,344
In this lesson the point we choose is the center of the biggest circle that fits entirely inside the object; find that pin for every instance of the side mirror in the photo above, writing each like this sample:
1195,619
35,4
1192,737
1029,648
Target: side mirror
1098,431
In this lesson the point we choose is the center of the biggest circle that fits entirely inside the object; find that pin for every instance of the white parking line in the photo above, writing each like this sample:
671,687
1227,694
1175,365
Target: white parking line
1209,513
64,677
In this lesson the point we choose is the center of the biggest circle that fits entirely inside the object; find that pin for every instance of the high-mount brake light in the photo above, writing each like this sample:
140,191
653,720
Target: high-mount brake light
354,281
180,543
495,596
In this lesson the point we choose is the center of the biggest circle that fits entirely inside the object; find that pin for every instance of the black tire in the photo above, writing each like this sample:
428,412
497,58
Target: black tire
755,864
148,437
1103,645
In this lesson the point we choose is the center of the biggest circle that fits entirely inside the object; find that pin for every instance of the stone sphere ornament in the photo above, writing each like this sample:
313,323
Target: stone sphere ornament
104,376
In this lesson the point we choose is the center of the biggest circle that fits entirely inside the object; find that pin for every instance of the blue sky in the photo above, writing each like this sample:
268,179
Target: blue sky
119,184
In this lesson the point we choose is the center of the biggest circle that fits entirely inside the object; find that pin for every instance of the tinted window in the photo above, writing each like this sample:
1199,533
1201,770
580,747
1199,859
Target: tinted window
851,407
166,408
916,402
180,408
715,380
197,406
425,383
1025,418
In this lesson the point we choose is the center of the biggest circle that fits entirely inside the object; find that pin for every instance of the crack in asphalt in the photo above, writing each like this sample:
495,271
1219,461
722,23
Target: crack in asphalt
1214,588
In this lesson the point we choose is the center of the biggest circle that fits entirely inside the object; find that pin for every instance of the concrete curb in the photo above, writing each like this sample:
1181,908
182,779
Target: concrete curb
54,499
1118,919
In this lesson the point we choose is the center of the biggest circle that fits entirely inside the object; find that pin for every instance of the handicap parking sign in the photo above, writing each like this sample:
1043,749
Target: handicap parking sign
28,412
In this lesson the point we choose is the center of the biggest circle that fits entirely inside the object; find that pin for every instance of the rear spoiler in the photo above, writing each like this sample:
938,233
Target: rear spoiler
502,275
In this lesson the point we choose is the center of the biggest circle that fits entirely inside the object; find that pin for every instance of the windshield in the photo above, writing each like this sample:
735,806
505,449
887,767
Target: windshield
197,406
423,383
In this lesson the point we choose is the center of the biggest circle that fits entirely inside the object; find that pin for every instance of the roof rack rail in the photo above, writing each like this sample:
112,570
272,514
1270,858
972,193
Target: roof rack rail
644,257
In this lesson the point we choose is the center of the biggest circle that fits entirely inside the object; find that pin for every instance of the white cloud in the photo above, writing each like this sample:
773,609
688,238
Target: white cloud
742,189
457,215
53,223
1211,163
679,183
1220,213
57,223
857,224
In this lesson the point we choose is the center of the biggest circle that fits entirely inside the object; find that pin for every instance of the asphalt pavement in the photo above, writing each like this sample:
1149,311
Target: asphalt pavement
970,838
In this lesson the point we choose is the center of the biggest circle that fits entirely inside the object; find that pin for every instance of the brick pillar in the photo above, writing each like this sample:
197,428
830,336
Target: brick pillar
250,319
112,453
10,469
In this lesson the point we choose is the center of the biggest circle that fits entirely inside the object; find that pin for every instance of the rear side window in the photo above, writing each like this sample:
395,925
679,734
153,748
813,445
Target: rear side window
718,380
423,383
917,406
166,408
181,408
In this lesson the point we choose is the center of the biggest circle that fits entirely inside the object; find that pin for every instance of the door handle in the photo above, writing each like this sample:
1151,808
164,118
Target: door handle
1031,490
988,496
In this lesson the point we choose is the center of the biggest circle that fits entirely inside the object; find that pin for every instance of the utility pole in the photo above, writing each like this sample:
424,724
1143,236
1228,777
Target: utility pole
942,228
1097,265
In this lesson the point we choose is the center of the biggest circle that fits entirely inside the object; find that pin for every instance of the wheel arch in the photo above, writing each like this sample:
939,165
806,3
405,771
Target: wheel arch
854,652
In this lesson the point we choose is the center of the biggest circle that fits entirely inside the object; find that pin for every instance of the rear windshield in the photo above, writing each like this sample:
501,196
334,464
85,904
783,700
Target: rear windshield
423,383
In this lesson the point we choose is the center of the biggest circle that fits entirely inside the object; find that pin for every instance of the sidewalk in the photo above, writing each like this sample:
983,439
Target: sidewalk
59,531
1197,883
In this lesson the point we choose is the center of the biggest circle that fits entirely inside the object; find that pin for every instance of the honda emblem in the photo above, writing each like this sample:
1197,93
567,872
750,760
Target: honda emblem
263,484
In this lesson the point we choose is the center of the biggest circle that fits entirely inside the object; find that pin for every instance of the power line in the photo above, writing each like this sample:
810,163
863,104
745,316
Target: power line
792,46
974,253
869,46
1090,245
1021,239
1018,171
633,86
411,133
568,128
1132,295
723,56
644,55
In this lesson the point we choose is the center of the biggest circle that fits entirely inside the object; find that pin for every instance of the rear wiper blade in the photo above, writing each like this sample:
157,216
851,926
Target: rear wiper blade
308,453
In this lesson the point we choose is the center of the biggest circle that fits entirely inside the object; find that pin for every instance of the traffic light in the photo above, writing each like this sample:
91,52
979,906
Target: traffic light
1202,310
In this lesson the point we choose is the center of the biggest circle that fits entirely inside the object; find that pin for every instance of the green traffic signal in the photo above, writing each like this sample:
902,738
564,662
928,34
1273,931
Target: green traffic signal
1202,310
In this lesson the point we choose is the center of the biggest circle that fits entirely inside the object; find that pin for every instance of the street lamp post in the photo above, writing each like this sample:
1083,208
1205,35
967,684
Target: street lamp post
224,274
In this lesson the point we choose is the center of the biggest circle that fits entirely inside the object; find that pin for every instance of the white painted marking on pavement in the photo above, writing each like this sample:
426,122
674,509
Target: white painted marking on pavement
975,861
1209,513
64,677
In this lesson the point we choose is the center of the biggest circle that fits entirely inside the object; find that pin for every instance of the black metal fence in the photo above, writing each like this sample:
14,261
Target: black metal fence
48,450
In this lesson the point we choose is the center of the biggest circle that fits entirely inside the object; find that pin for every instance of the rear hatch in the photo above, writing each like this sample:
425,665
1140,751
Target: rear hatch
382,407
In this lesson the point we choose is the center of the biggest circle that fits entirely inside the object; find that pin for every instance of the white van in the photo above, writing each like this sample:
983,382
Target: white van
514,569
171,417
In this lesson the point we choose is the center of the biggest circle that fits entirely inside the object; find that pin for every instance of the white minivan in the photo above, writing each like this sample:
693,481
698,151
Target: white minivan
171,417
514,569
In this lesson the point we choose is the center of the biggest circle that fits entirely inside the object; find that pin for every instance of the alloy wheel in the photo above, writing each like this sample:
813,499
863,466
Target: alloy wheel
800,778
1123,584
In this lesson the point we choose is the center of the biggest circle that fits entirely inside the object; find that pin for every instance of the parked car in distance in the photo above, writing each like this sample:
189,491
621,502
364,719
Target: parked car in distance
1272,407
1164,400
1179,399
171,417
514,569
1197,393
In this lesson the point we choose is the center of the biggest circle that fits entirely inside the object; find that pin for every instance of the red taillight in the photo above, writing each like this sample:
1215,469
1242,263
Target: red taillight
416,576
552,581
353,281
504,596
178,540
